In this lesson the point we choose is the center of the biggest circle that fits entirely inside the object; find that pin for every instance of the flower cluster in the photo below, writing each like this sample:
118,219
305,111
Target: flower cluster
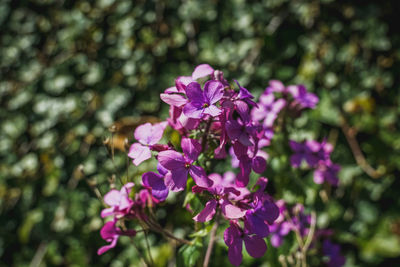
317,156
297,221
217,120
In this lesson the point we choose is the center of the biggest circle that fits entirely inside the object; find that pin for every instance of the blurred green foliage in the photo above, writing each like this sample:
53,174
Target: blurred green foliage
70,69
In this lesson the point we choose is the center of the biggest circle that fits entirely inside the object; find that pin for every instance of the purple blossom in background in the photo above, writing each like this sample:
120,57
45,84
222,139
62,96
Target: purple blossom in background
302,97
304,151
234,237
280,228
110,233
180,166
203,102
300,220
268,109
147,135
336,259
276,86
317,155
327,172
119,202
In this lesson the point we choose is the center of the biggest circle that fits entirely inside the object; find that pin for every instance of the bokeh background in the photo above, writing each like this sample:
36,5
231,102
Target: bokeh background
77,75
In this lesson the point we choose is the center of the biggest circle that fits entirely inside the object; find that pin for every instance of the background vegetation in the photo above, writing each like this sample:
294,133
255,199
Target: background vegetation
70,70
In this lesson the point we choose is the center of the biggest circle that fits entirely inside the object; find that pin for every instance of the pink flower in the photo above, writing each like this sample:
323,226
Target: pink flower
119,202
148,135
175,96
111,233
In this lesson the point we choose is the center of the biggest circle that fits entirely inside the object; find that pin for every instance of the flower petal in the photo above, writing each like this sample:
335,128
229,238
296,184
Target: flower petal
108,230
181,82
201,71
235,253
112,198
106,248
256,225
157,132
194,92
191,148
157,185
200,176
207,213
193,110
176,181
255,246
233,129
231,211
212,110
171,160
259,165
107,212
213,91
142,133
139,153
174,99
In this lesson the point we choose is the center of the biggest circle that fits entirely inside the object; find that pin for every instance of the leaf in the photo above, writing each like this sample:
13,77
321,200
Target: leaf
189,254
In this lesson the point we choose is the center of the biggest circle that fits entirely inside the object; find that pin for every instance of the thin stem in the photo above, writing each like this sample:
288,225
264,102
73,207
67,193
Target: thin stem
38,257
282,260
157,228
205,136
211,242
144,261
296,231
350,134
310,235
148,248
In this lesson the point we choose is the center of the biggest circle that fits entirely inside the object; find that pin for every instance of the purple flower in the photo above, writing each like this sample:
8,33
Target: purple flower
245,95
203,102
327,172
222,189
307,151
300,220
111,233
234,237
257,219
155,182
302,97
240,131
119,202
147,135
180,166
336,259
268,109
280,228
276,86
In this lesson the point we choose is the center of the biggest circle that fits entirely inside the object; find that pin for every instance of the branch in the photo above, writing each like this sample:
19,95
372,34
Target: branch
350,134
211,242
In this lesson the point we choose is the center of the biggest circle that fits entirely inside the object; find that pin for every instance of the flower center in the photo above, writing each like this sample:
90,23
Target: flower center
206,105
187,165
